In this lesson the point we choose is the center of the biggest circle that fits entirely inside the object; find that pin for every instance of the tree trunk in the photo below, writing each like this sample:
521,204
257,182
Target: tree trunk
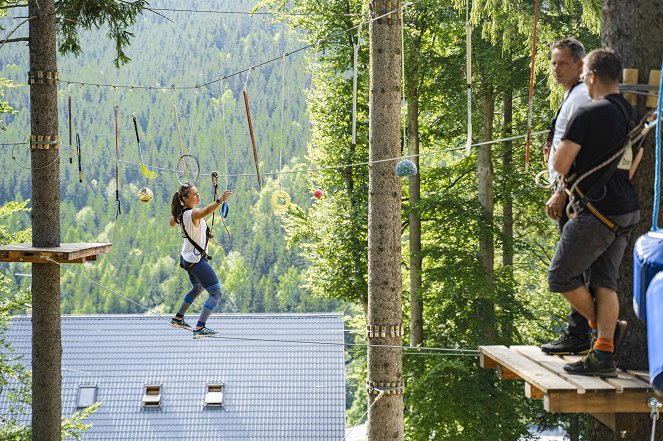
507,165
416,301
46,341
486,305
633,29
385,367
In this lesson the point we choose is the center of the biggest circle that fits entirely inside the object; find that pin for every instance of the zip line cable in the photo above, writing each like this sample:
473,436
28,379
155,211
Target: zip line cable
432,350
331,167
248,69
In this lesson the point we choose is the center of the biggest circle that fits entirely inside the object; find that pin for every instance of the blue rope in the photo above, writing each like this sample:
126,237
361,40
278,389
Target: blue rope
657,175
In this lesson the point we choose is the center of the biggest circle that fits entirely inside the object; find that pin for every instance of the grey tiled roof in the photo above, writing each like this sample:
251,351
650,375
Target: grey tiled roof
273,390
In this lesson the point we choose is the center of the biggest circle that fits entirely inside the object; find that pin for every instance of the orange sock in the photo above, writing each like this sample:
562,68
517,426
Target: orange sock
604,344
592,324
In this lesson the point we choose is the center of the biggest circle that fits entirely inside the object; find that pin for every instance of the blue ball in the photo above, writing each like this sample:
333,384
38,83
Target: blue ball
406,168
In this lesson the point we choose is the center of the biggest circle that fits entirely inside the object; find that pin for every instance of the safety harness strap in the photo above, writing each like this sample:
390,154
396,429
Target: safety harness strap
201,250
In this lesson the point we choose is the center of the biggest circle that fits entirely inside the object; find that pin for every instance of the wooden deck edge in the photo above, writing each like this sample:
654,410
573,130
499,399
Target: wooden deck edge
597,402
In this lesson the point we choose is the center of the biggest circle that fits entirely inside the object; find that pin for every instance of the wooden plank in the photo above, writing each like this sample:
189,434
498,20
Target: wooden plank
597,402
641,375
65,253
531,372
556,365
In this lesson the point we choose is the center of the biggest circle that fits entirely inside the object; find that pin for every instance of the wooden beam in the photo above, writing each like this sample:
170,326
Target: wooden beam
506,374
532,392
597,402
65,253
486,362
618,422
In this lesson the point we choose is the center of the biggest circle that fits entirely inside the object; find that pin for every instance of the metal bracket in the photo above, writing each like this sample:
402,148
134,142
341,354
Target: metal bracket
381,331
44,142
391,388
42,77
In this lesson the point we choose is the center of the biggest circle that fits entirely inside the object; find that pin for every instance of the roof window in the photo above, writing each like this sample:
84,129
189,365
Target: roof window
214,395
87,395
152,396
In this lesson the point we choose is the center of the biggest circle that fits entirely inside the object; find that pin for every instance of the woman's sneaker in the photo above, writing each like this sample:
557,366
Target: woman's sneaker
204,332
179,323
594,364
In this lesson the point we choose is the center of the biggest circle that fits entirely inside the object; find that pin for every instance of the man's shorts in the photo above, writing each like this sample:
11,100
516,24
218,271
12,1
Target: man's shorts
589,253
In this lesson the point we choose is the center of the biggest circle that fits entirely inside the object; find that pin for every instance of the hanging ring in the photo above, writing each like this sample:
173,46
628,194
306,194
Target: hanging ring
280,194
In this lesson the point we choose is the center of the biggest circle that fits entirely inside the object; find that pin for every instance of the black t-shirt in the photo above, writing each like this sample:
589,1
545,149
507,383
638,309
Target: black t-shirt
600,128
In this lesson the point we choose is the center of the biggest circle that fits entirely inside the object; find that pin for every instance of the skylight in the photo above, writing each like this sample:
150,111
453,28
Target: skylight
152,397
214,395
87,395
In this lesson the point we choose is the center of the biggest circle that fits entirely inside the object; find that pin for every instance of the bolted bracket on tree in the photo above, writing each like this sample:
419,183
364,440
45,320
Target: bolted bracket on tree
388,388
381,331
42,77
44,142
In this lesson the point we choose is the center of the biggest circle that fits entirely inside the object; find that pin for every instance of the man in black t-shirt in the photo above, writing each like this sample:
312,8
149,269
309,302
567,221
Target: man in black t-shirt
592,244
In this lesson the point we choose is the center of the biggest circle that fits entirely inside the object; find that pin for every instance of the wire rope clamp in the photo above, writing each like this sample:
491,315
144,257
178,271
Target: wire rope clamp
654,405
44,142
42,77
387,388
381,331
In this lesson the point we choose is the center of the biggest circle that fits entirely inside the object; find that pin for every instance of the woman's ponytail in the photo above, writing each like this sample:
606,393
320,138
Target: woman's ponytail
176,207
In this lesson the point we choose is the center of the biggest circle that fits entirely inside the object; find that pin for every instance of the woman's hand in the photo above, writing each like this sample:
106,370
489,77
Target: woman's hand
225,196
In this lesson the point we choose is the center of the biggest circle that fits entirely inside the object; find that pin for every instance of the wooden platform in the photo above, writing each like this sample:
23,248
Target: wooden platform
65,253
613,401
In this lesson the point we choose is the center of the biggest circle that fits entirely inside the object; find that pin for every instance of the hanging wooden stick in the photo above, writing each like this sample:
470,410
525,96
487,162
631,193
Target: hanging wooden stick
70,160
78,152
253,140
117,160
531,86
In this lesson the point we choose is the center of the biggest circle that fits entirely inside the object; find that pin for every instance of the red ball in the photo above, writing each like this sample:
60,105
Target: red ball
317,193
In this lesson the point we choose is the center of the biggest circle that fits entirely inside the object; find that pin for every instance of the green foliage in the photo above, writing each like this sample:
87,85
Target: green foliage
117,16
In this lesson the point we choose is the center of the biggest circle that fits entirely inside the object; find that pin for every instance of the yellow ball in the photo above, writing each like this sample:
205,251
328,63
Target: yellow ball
144,194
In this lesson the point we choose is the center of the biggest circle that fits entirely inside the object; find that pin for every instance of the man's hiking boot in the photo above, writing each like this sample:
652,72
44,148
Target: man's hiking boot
179,323
568,344
594,365
204,332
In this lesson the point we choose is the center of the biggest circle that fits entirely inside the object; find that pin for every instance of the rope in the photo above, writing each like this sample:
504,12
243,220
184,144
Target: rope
362,417
657,174
354,90
468,74
531,86
331,167
431,350
303,48
282,146
117,160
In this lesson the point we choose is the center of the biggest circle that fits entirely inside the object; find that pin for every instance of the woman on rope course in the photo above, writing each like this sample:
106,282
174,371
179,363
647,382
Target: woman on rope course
194,257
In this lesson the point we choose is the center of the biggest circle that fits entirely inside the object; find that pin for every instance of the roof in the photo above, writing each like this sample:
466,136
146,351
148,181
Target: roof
274,388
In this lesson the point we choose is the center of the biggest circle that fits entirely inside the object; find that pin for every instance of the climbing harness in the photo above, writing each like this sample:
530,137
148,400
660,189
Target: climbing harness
203,254
622,159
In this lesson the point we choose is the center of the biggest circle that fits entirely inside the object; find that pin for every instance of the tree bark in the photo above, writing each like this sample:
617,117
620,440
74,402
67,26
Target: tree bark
385,367
416,300
46,339
633,29
486,305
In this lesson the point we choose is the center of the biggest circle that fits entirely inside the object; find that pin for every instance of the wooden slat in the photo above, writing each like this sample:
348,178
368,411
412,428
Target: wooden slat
65,253
641,375
536,375
556,365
